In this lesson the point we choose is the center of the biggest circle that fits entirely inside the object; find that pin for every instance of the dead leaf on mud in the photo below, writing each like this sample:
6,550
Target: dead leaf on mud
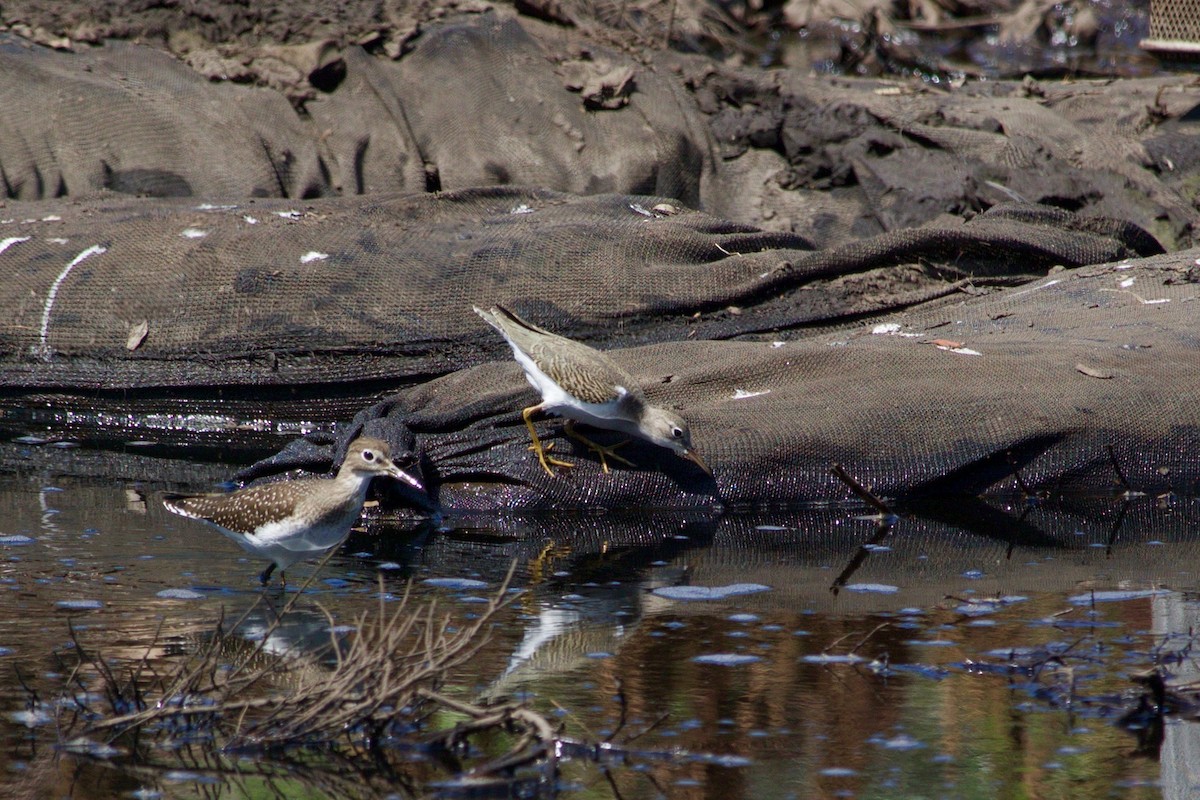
951,346
1092,372
137,334
603,85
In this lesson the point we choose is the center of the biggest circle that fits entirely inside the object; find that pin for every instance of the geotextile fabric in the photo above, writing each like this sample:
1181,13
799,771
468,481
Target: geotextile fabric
1075,383
945,291
277,294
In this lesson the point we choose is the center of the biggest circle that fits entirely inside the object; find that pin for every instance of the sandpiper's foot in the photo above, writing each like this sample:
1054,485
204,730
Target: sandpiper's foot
542,565
265,577
547,460
604,451
537,445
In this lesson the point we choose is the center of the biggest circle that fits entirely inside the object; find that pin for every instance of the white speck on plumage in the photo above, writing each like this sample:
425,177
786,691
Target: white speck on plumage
291,520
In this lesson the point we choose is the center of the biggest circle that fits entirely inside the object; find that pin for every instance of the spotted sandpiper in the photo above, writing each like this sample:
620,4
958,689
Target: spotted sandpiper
585,385
288,521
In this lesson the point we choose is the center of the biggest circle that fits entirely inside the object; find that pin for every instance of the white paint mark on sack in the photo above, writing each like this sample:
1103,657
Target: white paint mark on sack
962,351
313,255
43,348
10,241
250,220
1156,301
1045,285
742,394
193,233
289,214
892,329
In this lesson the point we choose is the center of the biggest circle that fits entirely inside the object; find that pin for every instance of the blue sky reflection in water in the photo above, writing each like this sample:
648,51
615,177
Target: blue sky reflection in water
949,663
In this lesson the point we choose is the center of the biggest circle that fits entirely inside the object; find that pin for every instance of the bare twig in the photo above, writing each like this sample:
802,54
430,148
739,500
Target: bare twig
1016,471
872,632
394,654
624,706
861,491
538,740
1112,456
663,717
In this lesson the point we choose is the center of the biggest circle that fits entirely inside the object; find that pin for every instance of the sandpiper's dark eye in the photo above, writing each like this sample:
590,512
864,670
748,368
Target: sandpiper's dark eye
677,432
368,455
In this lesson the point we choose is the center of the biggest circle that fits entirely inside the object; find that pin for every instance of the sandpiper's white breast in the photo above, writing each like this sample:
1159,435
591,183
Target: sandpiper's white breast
557,401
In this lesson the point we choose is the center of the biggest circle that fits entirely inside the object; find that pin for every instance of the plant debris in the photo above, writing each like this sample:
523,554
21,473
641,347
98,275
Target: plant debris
362,697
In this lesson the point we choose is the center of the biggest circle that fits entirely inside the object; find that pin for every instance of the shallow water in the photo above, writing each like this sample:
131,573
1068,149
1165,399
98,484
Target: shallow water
984,47
947,662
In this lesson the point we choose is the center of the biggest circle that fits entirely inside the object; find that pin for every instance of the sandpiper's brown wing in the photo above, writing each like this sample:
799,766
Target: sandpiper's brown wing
245,510
584,371
588,374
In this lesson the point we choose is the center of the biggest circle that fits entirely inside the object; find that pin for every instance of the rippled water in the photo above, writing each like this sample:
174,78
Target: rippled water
744,657
1096,38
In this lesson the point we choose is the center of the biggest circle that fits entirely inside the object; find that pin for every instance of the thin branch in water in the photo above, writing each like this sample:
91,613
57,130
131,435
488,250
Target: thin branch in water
624,706
663,717
864,639
380,680
1016,472
861,491
1116,465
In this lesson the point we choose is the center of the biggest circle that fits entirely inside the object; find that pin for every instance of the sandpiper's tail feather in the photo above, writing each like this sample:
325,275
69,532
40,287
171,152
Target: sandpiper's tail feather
179,504
196,506
489,317
512,317
501,318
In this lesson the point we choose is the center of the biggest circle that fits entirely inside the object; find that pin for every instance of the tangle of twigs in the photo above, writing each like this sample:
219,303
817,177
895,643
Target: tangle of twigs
381,684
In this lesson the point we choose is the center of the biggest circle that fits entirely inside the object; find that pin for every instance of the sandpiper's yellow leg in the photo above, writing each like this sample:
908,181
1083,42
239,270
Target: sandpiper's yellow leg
600,449
541,566
537,444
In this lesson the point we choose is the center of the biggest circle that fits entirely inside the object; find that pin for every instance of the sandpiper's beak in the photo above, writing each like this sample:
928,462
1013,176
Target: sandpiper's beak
694,457
401,475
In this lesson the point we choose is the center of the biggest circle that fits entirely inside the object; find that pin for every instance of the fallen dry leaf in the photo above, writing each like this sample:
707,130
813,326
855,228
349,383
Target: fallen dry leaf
137,334
1092,372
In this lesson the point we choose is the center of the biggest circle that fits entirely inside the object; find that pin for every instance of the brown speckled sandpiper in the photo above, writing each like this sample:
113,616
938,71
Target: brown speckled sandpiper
291,520
585,385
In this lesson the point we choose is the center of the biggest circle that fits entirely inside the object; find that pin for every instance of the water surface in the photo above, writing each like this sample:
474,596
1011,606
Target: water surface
768,656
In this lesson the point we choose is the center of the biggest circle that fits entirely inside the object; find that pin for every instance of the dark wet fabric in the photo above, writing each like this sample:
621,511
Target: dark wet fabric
275,295
1069,384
